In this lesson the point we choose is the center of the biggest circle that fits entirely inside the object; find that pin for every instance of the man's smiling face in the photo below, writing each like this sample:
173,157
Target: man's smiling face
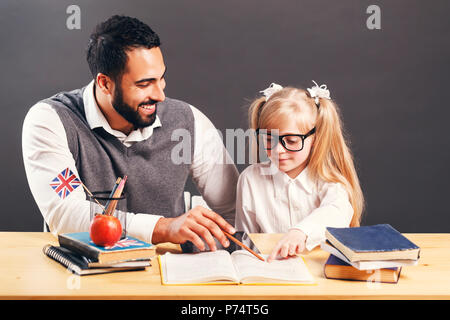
141,86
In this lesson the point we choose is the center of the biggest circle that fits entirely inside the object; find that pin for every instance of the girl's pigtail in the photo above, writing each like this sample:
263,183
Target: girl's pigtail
254,113
331,158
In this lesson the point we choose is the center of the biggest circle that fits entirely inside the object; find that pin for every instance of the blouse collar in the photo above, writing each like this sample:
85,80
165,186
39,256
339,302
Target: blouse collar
281,179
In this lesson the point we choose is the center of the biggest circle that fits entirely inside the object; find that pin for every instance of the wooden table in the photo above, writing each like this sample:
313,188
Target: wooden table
26,273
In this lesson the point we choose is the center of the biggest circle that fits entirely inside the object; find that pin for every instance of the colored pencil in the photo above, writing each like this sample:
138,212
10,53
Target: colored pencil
111,195
117,194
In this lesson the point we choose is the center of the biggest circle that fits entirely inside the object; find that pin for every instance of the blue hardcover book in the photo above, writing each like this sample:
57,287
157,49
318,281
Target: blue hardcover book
377,242
126,249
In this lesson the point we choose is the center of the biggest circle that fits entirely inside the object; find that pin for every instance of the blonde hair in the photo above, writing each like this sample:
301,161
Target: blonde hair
330,158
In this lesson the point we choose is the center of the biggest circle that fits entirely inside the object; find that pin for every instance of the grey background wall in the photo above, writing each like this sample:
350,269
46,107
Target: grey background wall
392,84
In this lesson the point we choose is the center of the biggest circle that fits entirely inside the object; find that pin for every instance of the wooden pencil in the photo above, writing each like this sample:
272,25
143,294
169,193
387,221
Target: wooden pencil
242,245
92,196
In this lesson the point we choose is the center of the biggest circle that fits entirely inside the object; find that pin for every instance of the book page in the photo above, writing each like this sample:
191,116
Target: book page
252,270
198,267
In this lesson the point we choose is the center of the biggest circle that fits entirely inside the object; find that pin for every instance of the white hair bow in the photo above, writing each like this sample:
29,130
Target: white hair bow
271,90
317,92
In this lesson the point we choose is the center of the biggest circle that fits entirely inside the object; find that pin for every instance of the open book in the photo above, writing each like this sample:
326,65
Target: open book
220,267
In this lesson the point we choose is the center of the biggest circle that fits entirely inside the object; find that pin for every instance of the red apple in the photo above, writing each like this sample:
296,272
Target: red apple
105,230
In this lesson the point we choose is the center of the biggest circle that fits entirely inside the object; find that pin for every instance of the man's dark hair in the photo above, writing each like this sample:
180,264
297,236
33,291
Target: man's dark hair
106,51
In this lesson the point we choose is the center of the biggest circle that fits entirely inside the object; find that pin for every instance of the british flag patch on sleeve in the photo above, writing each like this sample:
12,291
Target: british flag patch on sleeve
64,183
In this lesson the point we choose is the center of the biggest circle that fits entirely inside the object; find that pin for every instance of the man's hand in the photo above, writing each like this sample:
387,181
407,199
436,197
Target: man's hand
195,225
291,244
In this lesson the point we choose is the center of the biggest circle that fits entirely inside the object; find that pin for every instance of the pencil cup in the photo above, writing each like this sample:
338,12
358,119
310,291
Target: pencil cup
102,203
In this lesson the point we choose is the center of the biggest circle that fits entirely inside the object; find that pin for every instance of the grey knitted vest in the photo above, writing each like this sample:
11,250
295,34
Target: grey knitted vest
155,184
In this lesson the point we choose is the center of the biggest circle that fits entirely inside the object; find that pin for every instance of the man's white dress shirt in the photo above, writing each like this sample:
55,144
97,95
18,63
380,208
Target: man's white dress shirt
46,153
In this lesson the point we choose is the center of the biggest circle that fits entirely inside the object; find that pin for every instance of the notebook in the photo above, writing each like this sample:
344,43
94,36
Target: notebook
126,249
81,265
239,267
377,242
338,269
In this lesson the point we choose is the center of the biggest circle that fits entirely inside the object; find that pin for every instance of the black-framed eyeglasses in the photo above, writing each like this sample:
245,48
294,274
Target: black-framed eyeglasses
291,142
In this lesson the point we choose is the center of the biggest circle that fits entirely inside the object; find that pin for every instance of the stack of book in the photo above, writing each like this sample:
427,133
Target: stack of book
80,255
370,253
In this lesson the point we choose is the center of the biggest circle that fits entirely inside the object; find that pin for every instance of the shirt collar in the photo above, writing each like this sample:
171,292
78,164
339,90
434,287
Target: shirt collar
96,119
281,179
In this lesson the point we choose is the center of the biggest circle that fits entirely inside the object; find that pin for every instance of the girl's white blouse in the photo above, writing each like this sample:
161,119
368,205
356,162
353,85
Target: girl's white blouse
269,201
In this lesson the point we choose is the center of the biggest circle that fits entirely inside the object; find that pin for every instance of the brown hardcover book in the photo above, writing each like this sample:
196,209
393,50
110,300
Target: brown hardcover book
335,268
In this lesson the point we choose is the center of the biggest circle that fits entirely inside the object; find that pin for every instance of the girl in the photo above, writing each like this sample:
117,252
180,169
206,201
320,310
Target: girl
309,182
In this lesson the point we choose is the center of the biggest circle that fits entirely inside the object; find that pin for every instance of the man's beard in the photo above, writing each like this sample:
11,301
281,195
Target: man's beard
130,114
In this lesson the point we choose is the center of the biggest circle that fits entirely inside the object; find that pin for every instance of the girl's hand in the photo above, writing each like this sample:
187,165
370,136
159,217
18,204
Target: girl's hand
291,244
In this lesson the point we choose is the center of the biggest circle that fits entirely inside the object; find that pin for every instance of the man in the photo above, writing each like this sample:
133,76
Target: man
122,124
